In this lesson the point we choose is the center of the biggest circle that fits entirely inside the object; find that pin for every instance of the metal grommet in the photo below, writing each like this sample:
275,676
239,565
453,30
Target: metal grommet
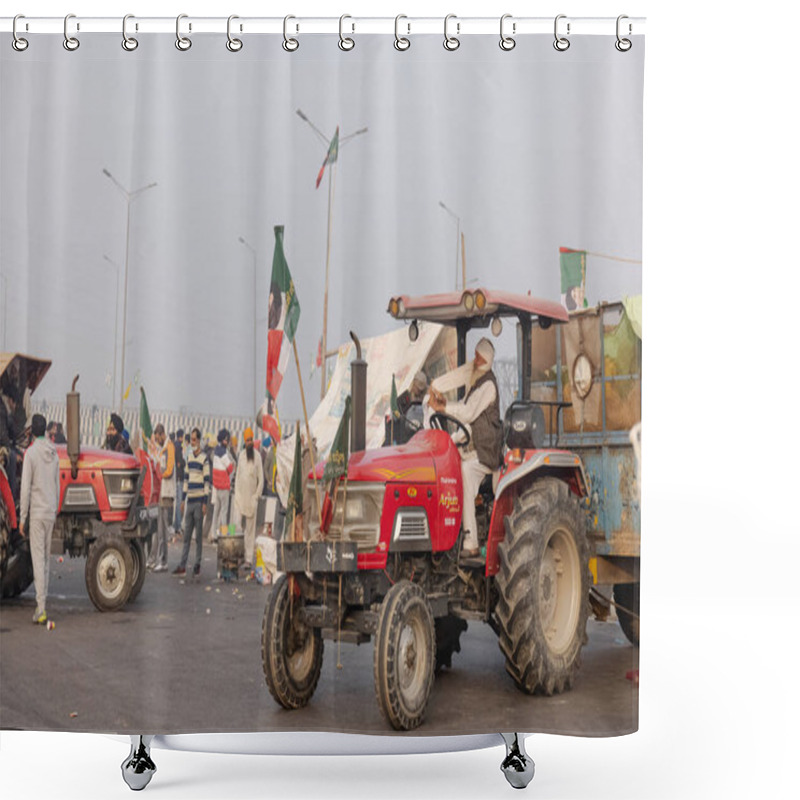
507,42
400,42
70,42
18,43
290,45
183,43
561,43
451,42
345,42
128,42
623,45
233,44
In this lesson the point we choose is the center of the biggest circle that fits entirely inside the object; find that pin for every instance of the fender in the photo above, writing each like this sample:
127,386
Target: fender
516,477
8,499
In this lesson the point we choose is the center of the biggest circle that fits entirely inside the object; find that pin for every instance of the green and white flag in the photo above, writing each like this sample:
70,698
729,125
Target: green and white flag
336,465
283,313
144,419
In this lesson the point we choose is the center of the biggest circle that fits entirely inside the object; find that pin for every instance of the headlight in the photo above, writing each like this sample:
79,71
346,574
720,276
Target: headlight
480,301
355,510
120,487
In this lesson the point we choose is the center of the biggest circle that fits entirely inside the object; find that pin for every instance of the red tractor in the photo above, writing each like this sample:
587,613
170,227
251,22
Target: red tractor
390,566
107,511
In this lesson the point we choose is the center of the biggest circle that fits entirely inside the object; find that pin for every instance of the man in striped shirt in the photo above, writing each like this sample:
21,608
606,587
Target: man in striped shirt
196,490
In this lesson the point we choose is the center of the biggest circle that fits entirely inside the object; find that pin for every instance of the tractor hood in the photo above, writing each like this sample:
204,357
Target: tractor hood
95,458
414,462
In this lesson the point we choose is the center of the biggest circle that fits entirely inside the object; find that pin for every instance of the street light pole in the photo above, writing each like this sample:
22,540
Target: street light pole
458,235
331,179
255,331
129,198
116,327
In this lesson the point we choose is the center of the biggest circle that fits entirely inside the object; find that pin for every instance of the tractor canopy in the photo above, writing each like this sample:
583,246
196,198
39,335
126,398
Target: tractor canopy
476,307
19,372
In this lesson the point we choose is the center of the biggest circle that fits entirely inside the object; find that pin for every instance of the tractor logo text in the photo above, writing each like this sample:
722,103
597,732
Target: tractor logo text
450,502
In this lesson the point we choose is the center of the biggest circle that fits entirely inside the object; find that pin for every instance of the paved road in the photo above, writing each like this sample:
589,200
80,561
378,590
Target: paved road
186,657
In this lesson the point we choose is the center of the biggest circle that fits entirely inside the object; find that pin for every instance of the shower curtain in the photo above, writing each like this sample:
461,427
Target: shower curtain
193,225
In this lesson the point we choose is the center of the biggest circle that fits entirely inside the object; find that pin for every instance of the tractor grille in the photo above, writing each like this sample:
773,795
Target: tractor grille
411,524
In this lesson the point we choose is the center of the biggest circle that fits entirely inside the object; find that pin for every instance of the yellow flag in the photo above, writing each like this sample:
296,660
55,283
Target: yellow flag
127,391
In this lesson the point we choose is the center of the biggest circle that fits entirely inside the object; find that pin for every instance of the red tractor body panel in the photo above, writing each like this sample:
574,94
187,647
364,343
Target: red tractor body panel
93,464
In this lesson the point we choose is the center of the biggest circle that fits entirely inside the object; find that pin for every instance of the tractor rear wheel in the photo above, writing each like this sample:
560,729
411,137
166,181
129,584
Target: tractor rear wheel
291,651
109,572
139,568
626,595
404,656
543,587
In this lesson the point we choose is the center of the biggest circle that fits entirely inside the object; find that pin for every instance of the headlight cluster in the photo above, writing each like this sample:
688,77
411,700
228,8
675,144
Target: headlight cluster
120,487
362,515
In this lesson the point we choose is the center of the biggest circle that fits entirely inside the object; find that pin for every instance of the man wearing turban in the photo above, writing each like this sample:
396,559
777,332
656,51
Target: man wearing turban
479,412
114,439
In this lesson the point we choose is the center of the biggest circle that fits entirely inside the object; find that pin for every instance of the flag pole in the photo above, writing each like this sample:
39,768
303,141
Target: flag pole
308,429
331,186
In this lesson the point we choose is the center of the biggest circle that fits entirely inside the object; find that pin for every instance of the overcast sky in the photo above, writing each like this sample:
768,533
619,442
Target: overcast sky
533,149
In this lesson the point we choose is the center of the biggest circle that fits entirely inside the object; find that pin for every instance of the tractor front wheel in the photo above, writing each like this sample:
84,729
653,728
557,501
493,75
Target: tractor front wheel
404,656
543,587
291,651
109,572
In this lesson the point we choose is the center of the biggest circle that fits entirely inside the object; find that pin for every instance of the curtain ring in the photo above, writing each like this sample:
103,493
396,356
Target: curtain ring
290,45
561,43
345,42
183,43
233,44
18,43
70,42
400,42
451,42
507,42
623,45
129,43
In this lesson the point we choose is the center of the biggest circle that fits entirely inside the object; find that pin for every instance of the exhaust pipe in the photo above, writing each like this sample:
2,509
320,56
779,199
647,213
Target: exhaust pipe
358,394
74,427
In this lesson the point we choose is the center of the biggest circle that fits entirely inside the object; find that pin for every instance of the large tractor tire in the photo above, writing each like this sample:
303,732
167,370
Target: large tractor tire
109,572
139,568
291,651
404,656
448,636
626,596
543,587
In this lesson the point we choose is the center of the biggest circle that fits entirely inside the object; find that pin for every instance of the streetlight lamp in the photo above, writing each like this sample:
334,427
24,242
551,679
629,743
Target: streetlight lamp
255,333
458,238
129,198
116,326
331,179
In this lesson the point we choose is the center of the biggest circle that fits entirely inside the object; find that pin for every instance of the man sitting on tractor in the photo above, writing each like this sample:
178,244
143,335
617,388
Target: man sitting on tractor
480,410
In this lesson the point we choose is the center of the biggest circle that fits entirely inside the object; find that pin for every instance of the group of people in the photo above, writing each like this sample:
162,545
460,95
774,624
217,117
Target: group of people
196,489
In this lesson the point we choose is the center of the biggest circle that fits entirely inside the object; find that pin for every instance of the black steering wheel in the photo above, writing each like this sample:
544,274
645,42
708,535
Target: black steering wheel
441,422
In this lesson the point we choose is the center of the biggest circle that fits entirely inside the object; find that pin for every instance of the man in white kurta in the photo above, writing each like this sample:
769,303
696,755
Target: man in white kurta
479,412
39,498
249,484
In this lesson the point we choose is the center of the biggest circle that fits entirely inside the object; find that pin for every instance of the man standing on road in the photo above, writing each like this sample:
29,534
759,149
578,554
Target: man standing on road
164,452
39,498
180,467
249,483
196,489
223,466
480,410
